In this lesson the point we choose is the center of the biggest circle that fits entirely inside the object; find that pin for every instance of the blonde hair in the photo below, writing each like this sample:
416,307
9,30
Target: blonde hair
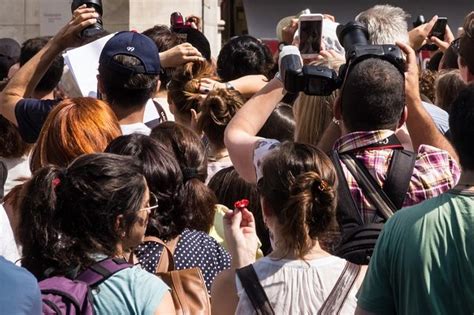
312,115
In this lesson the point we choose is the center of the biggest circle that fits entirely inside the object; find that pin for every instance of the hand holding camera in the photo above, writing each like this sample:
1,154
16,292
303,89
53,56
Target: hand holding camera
70,35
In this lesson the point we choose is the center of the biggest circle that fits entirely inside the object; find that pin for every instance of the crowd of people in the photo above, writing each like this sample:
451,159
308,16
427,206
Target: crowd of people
196,183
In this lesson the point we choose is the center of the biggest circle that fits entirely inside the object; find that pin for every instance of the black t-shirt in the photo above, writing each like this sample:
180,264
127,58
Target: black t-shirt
31,114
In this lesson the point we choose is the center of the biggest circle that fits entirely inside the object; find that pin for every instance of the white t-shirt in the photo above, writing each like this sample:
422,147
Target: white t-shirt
18,172
296,286
135,128
8,248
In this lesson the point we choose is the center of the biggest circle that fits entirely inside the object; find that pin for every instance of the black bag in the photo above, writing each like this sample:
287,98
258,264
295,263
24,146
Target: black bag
161,119
358,237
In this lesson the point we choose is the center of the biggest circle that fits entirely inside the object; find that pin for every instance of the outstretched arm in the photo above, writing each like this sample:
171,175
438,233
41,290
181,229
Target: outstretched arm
240,135
419,123
25,80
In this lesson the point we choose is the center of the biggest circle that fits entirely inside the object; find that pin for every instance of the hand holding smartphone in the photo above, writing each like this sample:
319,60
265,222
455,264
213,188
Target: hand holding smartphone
438,31
310,31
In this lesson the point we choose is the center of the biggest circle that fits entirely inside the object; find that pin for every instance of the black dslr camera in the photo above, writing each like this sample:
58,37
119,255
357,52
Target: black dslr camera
319,80
98,27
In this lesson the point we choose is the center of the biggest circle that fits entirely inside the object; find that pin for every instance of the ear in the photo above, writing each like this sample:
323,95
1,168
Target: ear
100,85
337,108
266,208
158,86
119,224
403,117
172,107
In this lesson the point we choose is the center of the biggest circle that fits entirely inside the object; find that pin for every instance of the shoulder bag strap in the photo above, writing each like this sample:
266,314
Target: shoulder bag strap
254,290
371,189
334,302
166,261
399,176
345,202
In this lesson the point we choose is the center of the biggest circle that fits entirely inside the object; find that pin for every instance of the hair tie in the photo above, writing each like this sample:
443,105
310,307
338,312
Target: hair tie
189,173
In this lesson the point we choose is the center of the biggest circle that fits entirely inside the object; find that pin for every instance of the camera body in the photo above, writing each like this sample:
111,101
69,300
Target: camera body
98,27
177,21
322,81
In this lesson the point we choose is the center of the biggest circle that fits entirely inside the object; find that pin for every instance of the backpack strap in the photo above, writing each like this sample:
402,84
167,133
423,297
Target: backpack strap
335,300
102,270
254,290
348,213
399,176
372,190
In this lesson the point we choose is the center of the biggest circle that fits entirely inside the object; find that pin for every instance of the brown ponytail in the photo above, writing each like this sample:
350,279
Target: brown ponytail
308,212
217,110
183,88
299,184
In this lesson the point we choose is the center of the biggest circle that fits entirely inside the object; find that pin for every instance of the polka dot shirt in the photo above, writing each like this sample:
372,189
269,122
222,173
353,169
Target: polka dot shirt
194,249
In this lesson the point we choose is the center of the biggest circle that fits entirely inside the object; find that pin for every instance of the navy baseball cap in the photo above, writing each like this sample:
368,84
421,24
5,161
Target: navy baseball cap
135,45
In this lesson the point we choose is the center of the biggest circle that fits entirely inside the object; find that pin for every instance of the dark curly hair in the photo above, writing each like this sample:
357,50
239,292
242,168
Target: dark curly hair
69,214
192,159
11,142
244,55
164,179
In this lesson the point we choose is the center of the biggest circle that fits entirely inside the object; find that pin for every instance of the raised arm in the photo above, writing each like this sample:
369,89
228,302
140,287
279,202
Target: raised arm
27,77
240,135
419,123
247,85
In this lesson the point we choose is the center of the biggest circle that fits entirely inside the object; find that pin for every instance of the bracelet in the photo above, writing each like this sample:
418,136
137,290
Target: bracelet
229,86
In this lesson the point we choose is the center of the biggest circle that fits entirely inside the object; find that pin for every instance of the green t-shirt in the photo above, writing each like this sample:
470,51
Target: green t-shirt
424,260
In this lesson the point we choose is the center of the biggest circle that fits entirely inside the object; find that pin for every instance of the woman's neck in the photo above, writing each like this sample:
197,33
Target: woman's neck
282,252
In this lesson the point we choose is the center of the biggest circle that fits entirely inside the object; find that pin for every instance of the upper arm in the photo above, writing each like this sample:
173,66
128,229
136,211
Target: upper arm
224,293
166,305
240,146
8,101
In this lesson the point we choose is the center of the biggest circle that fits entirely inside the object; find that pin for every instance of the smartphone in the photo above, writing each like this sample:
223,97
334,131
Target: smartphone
310,31
438,30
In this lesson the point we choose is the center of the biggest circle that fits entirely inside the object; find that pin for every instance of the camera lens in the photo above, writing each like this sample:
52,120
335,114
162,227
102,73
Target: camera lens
353,33
97,27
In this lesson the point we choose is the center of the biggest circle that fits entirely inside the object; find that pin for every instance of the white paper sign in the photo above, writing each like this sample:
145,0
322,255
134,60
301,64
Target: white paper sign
83,63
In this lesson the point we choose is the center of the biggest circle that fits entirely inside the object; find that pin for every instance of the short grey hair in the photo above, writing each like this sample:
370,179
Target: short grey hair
386,24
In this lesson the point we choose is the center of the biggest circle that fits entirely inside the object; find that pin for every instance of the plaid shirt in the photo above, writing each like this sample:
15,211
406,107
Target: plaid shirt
434,173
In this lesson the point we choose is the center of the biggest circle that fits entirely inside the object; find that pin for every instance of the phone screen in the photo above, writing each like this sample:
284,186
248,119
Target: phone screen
439,28
310,36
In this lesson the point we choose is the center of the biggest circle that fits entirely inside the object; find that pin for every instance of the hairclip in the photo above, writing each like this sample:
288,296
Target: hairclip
56,181
324,186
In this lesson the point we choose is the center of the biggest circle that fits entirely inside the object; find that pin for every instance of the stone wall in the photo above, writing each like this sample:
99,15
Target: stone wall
20,19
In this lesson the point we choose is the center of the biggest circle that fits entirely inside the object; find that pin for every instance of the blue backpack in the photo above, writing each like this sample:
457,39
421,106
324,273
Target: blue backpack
65,296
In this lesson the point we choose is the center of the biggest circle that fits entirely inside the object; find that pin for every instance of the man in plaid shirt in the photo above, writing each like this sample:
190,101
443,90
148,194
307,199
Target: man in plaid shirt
369,110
